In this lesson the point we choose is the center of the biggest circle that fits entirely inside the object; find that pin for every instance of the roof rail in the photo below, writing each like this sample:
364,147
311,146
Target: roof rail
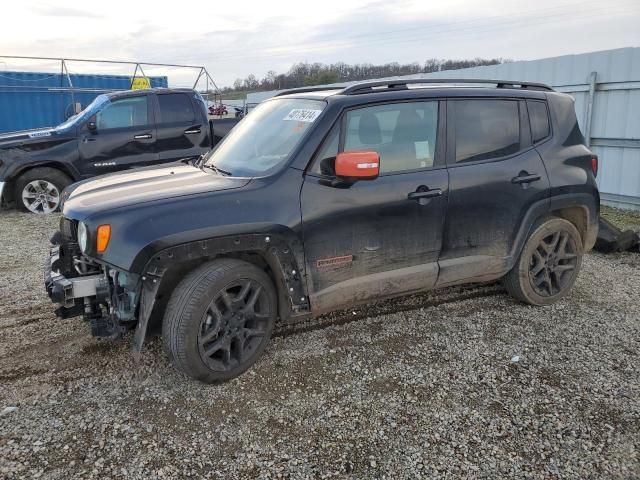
387,85
307,90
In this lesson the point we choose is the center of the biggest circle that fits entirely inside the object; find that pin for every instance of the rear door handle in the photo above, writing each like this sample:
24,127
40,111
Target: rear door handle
192,131
143,136
436,192
526,178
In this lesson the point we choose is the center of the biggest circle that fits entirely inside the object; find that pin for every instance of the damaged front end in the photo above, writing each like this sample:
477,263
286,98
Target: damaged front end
106,297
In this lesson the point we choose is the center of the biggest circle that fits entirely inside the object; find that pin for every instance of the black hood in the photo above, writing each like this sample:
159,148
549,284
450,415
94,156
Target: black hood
12,139
40,145
134,187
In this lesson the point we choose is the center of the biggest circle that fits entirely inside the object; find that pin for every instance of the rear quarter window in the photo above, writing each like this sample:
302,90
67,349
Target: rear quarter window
539,120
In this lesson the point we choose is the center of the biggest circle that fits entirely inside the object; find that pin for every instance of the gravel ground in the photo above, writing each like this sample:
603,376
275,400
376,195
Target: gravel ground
478,387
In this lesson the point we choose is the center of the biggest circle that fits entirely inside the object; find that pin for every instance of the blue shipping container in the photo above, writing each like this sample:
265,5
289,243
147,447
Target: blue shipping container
33,100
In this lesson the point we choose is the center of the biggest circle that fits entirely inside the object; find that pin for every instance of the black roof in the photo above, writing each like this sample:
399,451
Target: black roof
435,84
133,93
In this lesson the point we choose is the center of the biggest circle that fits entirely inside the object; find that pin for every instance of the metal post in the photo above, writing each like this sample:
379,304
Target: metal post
133,79
215,87
144,75
198,79
73,97
589,109
62,109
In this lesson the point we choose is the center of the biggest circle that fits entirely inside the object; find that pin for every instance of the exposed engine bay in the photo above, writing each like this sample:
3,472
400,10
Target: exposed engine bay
104,296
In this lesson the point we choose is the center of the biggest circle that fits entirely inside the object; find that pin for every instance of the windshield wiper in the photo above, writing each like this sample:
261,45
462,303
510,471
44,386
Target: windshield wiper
194,161
211,166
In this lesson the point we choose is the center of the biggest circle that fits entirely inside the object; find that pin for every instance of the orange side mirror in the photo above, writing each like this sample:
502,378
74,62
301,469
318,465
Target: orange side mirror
358,164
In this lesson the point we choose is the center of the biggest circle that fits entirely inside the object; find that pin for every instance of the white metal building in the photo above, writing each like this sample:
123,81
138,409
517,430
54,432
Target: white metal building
606,86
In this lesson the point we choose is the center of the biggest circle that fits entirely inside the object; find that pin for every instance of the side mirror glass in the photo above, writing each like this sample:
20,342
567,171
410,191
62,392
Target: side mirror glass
91,125
358,165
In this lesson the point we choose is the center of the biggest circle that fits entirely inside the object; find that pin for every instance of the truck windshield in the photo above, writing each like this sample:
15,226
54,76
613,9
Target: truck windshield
263,141
91,109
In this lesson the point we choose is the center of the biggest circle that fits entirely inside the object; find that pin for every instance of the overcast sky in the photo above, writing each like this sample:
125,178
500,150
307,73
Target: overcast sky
235,38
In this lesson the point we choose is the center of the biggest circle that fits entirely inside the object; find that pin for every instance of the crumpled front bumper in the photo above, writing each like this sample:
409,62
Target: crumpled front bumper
70,293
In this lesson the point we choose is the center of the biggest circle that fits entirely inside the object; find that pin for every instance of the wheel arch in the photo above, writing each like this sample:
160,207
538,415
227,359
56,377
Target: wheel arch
581,209
271,253
9,193
577,215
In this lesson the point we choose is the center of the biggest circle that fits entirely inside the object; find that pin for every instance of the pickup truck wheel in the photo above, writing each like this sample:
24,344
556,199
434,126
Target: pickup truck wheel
39,189
548,265
219,319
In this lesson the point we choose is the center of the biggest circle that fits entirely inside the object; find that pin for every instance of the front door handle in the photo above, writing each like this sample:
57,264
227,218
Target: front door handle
423,195
524,177
143,136
192,131
436,192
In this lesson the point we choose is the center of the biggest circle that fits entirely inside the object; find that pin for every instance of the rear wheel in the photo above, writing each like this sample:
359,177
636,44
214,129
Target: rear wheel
219,320
39,189
548,265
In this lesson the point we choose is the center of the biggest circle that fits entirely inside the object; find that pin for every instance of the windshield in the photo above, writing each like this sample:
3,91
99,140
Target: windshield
263,141
92,108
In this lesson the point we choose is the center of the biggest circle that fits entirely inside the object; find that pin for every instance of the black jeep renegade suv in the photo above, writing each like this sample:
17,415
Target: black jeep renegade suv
322,199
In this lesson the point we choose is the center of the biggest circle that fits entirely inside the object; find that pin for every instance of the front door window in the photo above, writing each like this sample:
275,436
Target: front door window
123,113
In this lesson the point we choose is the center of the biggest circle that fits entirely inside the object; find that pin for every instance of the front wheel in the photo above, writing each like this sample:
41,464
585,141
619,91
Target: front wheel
39,189
219,320
548,265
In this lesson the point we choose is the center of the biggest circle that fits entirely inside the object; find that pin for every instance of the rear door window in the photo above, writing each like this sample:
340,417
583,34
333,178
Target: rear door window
539,120
485,129
176,108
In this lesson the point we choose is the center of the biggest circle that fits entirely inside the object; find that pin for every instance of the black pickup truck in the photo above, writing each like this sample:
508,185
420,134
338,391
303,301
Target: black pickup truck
117,131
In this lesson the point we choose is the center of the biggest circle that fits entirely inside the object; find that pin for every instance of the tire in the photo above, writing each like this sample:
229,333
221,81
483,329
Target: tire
211,329
39,190
548,264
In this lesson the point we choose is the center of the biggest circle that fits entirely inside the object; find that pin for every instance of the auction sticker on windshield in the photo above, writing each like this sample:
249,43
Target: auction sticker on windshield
303,115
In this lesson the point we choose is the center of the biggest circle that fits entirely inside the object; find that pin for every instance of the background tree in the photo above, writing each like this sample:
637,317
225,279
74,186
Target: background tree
305,74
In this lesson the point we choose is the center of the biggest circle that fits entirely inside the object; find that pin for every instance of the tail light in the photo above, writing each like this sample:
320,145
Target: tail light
594,165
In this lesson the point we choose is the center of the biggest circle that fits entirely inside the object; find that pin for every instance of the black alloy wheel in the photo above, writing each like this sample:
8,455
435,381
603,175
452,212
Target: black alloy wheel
552,264
234,324
219,319
548,264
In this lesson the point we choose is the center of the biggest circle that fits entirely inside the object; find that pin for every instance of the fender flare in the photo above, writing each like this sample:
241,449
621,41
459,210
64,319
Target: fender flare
585,201
284,258
65,168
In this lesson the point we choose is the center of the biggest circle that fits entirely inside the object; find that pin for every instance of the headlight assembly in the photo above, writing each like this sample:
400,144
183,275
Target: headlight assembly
82,236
